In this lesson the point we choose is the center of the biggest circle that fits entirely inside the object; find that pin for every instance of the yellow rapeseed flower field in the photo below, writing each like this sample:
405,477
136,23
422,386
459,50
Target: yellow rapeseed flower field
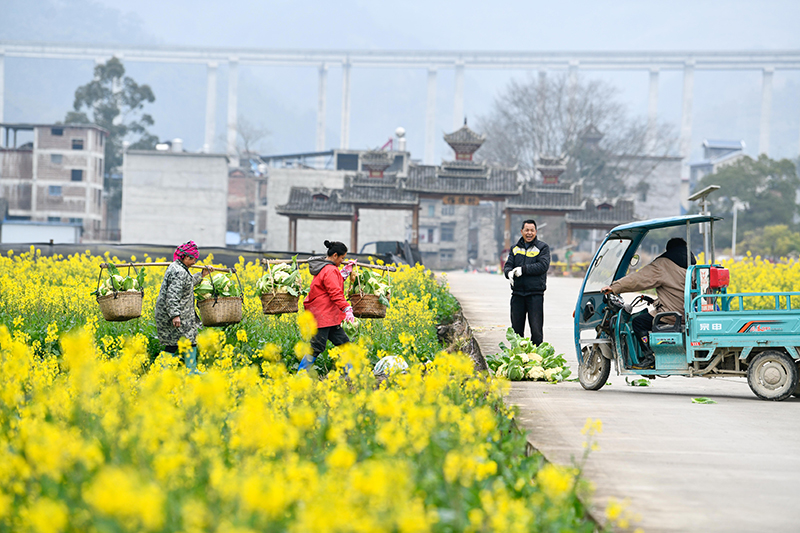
754,274
99,431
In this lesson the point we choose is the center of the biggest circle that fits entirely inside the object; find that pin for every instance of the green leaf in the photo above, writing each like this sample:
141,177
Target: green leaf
512,338
640,382
515,373
112,270
702,400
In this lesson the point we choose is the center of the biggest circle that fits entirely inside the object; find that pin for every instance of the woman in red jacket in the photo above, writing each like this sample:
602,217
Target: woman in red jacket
326,300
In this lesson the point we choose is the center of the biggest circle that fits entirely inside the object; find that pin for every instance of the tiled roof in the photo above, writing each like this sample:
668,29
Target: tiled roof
464,135
620,212
428,179
387,190
558,197
362,179
463,169
377,159
315,203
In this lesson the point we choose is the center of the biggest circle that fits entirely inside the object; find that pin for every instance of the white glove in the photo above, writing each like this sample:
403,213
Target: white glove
516,272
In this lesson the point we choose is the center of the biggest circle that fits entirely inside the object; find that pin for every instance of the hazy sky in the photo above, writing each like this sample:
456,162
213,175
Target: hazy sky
473,24
283,99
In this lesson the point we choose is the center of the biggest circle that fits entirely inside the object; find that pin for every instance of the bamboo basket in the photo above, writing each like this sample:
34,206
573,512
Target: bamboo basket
121,306
220,311
278,303
367,306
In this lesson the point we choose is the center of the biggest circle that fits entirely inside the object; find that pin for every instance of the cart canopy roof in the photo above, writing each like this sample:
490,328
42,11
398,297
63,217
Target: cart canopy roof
628,231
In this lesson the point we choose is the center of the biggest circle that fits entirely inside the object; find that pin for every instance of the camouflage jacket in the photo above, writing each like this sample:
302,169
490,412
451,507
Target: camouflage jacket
176,298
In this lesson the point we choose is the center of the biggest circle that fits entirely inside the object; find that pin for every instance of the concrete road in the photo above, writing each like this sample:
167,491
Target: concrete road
724,467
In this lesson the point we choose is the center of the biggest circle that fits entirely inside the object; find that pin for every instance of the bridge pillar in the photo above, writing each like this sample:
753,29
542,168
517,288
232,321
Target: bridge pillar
766,110
652,111
233,88
321,102
344,141
430,118
686,117
572,70
211,107
458,100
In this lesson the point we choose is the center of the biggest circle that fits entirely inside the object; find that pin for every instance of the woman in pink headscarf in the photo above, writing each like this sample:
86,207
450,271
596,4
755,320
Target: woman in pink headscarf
175,313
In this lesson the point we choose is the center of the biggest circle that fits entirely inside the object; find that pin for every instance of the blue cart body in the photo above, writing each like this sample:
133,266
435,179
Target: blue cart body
753,335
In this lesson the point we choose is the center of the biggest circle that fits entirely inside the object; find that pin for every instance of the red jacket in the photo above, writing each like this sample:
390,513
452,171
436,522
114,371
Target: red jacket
325,298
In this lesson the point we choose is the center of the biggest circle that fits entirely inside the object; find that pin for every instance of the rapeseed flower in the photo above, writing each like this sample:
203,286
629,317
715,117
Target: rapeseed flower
100,431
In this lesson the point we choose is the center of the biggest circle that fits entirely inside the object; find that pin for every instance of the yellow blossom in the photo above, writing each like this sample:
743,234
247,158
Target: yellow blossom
307,324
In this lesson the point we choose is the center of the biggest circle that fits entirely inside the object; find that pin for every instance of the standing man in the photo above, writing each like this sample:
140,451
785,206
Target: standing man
526,270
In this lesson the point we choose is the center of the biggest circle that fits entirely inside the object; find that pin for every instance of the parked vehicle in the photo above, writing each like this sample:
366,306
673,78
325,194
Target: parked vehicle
722,335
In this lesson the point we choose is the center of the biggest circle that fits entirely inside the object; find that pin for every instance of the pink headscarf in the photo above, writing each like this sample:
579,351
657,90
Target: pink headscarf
188,248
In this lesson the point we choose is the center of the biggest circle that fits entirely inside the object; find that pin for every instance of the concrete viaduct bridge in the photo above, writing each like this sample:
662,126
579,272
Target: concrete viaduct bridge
651,62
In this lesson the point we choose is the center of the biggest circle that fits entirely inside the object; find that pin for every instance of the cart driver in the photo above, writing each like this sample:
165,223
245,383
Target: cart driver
667,275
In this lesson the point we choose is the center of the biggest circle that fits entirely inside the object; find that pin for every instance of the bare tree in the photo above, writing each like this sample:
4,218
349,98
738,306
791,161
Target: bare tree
250,137
561,115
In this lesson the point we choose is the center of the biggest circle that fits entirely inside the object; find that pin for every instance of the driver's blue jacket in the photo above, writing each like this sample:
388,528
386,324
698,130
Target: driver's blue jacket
534,258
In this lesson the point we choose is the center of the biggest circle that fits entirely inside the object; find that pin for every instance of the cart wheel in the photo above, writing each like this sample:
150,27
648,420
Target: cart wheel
772,375
593,370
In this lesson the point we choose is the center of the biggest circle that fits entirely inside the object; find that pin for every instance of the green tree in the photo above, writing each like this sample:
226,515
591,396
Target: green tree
766,188
771,241
115,102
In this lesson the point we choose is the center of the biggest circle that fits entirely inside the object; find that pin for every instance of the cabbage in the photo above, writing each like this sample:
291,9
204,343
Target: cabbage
219,284
364,281
282,278
117,283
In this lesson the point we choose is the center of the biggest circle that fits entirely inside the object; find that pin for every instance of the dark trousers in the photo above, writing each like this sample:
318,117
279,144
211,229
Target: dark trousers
532,306
335,334
642,324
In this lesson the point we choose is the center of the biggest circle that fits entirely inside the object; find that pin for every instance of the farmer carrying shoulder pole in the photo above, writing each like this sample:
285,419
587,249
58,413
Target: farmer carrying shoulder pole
326,300
175,313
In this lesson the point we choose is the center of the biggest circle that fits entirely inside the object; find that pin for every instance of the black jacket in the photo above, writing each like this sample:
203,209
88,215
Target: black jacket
534,258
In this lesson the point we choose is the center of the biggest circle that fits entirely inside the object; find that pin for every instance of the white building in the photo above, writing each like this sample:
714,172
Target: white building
25,231
172,197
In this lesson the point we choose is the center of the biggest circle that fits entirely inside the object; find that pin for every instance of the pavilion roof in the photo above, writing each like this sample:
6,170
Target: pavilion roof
388,190
611,212
560,197
464,140
318,202
458,178
464,135
376,158
462,169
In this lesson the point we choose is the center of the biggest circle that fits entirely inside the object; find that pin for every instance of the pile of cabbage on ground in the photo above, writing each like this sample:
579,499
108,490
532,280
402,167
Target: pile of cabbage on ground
523,360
